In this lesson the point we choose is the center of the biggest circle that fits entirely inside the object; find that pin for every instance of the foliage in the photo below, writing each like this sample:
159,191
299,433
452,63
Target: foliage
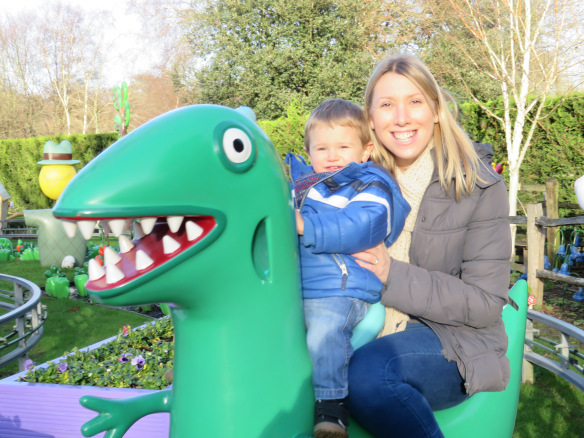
19,171
463,81
287,133
556,150
266,54
135,359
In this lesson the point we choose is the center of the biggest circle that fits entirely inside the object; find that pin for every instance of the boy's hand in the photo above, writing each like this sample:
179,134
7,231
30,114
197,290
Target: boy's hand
299,223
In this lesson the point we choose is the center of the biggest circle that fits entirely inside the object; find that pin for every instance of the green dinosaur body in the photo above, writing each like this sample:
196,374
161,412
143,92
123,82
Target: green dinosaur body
241,366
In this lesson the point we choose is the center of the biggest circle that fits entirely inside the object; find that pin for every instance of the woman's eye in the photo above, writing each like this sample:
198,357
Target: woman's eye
237,145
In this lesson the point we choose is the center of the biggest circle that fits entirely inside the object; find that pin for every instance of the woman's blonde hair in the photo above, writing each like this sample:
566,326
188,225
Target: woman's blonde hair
456,158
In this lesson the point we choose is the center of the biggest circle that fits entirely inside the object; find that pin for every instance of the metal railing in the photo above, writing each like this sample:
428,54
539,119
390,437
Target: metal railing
27,316
569,360
20,230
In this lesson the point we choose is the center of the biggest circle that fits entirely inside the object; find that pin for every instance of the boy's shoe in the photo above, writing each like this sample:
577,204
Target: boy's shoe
331,419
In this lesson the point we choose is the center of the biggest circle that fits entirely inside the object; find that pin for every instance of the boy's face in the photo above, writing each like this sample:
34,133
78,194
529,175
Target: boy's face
332,147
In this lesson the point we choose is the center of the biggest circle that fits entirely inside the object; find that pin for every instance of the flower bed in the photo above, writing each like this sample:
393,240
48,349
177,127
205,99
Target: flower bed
133,359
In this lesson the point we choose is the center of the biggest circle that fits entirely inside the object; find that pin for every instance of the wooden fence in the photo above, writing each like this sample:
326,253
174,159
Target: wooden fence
539,228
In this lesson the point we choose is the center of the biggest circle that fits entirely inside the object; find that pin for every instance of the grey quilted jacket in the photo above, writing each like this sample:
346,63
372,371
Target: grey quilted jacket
458,276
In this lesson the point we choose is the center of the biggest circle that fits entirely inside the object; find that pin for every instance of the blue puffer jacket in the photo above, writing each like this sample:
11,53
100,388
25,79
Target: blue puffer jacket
351,210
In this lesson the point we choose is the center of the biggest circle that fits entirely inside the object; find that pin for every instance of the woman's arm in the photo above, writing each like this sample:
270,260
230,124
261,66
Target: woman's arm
474,298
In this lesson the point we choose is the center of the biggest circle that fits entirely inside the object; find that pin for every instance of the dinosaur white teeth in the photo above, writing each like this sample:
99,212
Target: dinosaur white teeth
70,228
194,231
118,226
138,233
169,245
86,228
110,256
143,261
94,270
126,244
113,274
174,222
147,224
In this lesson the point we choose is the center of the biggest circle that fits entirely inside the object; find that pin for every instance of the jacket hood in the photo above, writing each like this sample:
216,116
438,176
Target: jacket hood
299,167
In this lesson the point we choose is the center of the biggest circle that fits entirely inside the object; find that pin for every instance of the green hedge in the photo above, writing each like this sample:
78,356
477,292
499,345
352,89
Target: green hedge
19,171
287,133
557,149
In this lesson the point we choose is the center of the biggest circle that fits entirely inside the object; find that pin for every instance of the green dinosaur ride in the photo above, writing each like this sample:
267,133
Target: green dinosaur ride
216,239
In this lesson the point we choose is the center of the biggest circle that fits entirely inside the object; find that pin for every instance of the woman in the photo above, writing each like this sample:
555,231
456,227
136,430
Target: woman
446,278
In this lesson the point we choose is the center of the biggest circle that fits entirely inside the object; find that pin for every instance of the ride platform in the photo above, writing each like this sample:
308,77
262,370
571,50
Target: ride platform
34,410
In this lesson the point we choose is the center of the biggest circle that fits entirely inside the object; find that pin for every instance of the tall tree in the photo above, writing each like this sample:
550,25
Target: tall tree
20,82
527,47
267,53
57,36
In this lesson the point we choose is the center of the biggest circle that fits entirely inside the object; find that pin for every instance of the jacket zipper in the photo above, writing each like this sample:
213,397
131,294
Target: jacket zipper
343,267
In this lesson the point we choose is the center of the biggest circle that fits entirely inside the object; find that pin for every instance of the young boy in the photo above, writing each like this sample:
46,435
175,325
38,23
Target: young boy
345,204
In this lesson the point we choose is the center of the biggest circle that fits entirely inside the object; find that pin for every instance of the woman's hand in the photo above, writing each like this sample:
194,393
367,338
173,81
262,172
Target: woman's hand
376,260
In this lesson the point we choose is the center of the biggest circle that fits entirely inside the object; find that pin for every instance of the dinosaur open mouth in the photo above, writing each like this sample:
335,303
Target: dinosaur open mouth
156,241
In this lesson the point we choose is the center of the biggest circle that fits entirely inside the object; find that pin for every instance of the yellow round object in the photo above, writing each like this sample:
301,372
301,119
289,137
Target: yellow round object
54,178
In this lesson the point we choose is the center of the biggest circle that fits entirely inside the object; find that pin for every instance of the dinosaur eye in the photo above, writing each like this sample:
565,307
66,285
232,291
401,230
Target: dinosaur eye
238,150
237,145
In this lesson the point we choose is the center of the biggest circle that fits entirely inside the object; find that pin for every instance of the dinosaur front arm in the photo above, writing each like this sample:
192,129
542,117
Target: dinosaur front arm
117,416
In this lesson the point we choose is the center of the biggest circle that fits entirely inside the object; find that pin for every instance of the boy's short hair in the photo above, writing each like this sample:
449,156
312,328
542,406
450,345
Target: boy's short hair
338,112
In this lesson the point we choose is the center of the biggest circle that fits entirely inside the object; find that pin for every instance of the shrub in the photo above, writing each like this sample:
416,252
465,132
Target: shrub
287,133
19,171
556,147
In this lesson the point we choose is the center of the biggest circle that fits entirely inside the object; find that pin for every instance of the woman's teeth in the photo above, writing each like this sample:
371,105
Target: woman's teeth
403,136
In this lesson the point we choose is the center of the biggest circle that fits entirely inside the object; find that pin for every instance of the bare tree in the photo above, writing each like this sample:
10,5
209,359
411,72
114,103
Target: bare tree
528,47
90,50
59,29
20,84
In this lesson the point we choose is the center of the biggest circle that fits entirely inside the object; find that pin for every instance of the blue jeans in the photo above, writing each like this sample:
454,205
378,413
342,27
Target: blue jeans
396,381
329,325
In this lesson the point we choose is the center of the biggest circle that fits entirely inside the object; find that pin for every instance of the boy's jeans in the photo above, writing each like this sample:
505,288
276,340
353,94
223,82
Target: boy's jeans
330,322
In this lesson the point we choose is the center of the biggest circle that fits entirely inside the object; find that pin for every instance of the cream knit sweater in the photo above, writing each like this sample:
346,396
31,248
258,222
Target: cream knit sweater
413,182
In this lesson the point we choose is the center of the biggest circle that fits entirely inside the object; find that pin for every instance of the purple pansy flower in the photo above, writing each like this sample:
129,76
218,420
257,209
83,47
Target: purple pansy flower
62,367
138,362
125,357
29,364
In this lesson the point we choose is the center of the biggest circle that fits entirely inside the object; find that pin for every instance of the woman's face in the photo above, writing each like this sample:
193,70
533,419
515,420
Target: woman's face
401,118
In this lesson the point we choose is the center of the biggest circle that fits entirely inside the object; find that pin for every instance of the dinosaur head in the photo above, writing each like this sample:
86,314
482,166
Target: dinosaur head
182,180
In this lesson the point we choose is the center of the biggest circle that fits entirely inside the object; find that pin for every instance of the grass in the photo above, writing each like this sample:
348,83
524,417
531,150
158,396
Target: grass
70,323
551,407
